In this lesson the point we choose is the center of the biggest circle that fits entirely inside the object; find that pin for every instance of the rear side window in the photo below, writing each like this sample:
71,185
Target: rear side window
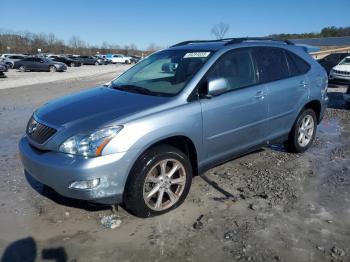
297,65
236,67
271,64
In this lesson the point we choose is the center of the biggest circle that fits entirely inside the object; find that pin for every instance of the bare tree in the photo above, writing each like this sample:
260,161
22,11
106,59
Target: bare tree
153,47
76,44
219,30
29,43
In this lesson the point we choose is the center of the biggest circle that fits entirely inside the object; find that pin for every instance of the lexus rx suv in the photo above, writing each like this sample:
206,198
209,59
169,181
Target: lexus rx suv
142,137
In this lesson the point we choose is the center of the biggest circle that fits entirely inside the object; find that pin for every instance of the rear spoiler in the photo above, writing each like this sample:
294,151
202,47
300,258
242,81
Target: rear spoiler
309,48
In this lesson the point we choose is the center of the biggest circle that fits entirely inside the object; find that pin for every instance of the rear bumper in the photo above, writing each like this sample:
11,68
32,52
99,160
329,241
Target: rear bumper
58,171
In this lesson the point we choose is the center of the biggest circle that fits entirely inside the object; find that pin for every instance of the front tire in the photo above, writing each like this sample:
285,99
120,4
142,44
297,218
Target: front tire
159,182
72,64
22,68
303,132
52,69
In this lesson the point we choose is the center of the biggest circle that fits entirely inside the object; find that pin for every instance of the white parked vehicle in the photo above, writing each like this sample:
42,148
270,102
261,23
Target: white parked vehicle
11,59
341,72
118,58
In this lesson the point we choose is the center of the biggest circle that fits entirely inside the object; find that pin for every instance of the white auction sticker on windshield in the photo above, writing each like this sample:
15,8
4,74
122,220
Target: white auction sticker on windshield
197,54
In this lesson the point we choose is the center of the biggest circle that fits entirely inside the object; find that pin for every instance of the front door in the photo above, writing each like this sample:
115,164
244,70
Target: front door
235,121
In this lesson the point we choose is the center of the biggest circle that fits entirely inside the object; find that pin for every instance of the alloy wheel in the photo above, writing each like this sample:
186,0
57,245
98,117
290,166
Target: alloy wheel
164,184
306,130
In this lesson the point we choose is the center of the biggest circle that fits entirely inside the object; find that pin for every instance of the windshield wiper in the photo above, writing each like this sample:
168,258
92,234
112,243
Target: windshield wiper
135,89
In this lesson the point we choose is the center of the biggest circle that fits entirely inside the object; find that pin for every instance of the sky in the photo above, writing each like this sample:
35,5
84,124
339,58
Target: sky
168,22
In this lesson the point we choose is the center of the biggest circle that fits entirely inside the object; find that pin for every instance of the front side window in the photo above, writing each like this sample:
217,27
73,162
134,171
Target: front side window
271,63
164,73
236,67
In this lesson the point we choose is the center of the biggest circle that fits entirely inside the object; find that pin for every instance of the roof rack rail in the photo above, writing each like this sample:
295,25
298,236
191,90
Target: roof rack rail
239,40
230,41
202,41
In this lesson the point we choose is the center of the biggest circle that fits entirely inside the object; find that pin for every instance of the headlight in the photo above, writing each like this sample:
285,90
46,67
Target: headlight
90,145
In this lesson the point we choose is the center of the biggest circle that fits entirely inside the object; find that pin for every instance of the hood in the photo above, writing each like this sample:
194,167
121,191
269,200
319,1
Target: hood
342,68
95,107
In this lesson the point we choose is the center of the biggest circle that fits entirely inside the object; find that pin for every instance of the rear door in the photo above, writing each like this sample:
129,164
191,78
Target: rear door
41,65
286,88
234,121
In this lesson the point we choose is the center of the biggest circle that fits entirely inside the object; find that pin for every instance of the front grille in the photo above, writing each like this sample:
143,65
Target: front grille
38,132
341,72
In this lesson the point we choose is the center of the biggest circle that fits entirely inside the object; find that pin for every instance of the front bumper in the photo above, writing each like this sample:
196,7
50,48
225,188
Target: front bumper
58,171
337,78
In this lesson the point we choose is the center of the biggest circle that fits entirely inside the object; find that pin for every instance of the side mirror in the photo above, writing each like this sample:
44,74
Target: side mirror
107,84
217,86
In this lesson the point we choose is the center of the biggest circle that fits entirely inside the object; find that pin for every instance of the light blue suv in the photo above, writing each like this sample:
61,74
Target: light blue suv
141,138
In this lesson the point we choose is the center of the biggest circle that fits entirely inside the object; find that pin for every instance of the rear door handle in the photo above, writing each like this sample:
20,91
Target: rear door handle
260,95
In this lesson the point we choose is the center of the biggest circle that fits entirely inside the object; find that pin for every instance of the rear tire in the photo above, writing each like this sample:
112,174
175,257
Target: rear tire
72,64
22,68
96,63
152,173
303,132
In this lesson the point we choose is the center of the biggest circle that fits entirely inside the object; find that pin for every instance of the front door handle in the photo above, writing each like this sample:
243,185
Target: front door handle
260,95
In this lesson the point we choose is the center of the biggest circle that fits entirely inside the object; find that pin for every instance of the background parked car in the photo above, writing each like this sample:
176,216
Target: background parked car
5,65
102,60
135,59
39,64
75,58
118,58
329,61
89,60
3,68
10,60
341,72
66,60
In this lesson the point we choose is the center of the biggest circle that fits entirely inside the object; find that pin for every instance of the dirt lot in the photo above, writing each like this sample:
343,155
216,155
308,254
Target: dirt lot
266,206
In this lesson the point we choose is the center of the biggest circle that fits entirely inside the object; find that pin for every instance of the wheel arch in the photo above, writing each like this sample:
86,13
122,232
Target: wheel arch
314,105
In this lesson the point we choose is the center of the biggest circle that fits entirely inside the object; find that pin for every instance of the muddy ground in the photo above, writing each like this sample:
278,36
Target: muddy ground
266,206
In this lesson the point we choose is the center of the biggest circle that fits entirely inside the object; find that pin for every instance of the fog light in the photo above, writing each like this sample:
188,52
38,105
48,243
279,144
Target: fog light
87,184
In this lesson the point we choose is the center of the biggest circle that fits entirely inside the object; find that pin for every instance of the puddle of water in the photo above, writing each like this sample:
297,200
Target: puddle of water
277,147
329,126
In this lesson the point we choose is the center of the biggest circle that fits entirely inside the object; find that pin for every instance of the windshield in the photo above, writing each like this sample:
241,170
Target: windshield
346,61
164,73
